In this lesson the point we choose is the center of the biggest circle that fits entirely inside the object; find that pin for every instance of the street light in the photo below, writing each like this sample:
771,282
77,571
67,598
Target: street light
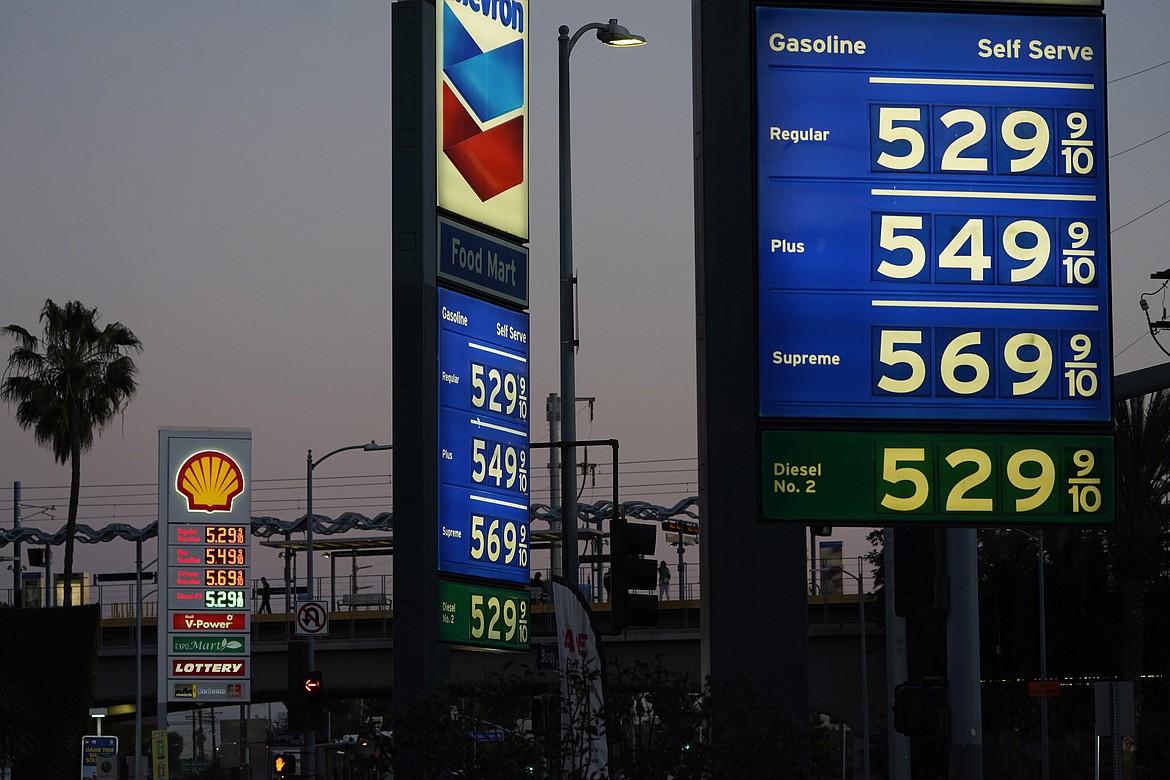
611,34
864,663
97,713
310,767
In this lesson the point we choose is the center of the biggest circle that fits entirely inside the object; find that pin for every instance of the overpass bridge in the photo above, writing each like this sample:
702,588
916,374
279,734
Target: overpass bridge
356,658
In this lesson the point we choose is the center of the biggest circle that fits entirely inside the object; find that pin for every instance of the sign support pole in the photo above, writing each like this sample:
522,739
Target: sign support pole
966,751
420,660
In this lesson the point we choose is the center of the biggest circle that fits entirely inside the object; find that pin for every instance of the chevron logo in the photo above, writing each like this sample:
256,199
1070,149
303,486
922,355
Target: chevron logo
480,89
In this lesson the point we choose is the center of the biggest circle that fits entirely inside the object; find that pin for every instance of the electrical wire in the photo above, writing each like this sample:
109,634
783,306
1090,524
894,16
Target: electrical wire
1139,146
1135,219
1138,73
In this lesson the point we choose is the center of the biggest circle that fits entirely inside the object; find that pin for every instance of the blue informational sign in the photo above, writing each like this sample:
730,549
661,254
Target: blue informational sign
483,439
485,263
96,751
933,223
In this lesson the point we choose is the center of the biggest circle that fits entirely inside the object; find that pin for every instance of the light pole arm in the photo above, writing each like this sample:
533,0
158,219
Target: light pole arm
568,43
310,519
371,447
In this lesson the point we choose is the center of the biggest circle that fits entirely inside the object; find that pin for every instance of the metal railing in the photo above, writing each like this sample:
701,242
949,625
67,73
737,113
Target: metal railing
376,591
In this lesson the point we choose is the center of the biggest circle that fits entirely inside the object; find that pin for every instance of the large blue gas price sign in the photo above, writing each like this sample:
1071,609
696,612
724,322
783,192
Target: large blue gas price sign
483,438
933,225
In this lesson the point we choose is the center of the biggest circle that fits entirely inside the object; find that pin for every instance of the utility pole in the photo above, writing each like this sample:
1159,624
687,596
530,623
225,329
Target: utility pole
898,745
553,413
17,578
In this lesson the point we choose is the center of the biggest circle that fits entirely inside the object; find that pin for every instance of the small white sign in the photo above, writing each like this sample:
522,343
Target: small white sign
313,618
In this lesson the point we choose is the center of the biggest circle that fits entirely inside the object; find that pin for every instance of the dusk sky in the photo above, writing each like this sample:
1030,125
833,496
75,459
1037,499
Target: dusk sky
216,175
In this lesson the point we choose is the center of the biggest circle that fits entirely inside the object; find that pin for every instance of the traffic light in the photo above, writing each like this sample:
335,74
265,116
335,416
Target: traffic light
314,707
284,764
920,581
298,666
920,709
546,713
631,572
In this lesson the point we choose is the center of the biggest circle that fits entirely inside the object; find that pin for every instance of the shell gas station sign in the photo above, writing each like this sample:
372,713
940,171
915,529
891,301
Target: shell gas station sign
205,519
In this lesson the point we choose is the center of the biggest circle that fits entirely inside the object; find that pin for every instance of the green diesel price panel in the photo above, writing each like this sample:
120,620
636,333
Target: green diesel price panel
958,478
483,616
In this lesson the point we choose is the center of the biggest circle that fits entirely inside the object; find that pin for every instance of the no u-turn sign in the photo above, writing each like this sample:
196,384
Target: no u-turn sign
313,618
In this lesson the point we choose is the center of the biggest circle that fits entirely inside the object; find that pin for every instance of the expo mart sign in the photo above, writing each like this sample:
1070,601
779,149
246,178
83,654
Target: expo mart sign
482,112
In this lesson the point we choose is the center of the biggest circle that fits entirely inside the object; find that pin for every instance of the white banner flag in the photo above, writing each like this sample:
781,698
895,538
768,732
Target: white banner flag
582,695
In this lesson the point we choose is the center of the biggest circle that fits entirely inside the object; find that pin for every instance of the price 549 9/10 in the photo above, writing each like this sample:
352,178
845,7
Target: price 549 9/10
499,465
984,250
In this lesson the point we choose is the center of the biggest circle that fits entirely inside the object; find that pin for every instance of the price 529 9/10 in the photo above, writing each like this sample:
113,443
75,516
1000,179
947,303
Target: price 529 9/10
499,465
499,619
499,391
965,476
980,140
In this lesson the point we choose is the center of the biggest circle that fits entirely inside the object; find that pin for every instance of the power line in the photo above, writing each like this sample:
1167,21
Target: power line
1138,73
1139,146
281,494
1135,219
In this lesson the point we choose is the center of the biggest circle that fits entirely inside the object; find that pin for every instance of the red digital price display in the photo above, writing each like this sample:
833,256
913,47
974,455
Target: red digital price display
225,556
225,534
225,578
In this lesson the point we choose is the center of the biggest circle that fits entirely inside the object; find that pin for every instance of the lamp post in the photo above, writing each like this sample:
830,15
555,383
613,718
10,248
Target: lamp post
864,662
611,34
17,579
310,769
138,596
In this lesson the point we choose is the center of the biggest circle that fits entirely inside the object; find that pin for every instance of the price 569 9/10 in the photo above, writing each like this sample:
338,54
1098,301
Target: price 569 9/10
499,541
968,363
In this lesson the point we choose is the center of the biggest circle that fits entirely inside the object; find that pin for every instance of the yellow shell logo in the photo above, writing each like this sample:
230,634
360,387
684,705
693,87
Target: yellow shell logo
210,481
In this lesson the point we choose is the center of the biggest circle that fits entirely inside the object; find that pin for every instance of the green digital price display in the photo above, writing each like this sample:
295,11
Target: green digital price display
877,478
483,616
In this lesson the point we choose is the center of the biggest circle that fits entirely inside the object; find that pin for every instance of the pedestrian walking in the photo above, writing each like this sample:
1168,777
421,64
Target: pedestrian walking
265,596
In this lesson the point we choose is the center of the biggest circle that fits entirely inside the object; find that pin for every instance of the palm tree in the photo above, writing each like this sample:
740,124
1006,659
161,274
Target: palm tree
67,384
1143,513
17,712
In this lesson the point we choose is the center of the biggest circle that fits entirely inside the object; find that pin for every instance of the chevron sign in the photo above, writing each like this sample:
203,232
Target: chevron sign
482,105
